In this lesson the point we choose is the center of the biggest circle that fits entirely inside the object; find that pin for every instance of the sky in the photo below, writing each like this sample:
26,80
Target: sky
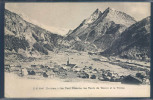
70,15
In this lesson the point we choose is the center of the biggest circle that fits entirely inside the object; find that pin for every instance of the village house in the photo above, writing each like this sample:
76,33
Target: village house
83,75
7,68
51,74
76,69
24,71
61,71
15,68
64,66
31,72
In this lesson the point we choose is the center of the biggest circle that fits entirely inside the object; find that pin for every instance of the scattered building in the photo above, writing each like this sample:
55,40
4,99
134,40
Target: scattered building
51,74
83,75
31,72
93,76
7,68
24,71
15,68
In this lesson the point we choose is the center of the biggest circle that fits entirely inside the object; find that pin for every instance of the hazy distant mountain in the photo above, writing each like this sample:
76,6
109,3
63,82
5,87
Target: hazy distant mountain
102,28
56,30
26,38
134,42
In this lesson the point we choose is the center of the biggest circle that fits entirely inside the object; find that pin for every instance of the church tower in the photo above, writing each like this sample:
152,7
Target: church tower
68,62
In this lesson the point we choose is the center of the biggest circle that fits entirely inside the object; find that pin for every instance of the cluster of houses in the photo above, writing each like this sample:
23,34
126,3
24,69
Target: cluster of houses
87,72
38,70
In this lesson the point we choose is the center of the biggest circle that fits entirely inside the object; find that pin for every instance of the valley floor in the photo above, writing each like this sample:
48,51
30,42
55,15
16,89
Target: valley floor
82,59
73,86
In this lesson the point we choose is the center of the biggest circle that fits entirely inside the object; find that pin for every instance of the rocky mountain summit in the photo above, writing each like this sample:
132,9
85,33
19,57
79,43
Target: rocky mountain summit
102,28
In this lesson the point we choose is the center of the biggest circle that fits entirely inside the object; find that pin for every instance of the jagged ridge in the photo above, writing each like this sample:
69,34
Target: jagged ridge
101,29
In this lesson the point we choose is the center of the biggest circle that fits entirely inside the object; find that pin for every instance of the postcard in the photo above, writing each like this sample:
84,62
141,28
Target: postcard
77,49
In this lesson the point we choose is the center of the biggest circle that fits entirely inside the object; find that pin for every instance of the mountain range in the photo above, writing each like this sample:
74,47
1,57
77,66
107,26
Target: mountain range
112,33
102,28
26,38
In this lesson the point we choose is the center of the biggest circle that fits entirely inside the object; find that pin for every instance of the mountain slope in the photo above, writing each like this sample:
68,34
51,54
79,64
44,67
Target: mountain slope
101,29
27,39
134,42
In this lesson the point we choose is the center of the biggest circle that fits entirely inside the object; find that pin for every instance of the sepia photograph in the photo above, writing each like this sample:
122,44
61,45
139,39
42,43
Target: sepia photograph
77,49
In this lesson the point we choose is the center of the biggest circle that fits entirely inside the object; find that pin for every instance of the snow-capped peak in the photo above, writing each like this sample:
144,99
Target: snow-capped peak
93,17
57,30
118,17
112,14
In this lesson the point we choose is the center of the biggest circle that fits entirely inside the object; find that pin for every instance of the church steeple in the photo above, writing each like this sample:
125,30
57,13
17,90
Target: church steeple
68,62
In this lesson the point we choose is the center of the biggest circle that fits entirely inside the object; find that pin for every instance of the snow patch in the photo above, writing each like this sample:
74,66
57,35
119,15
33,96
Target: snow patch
57,30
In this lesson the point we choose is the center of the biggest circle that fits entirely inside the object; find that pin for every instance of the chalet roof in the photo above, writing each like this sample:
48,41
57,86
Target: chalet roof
71,65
